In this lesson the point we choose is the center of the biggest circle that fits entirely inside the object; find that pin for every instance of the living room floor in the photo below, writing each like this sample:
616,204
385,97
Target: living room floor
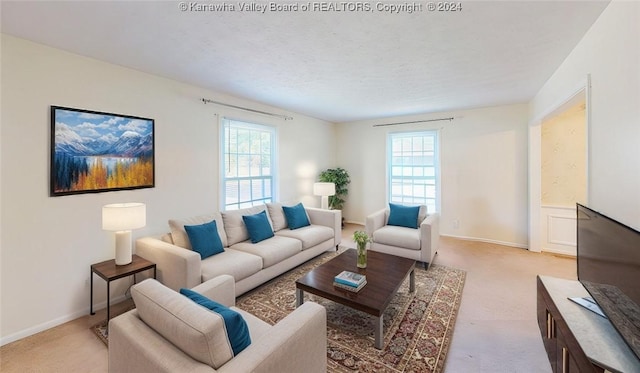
496,328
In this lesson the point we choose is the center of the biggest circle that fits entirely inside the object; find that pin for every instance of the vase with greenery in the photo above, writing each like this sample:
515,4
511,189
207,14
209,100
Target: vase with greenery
340,177
361,239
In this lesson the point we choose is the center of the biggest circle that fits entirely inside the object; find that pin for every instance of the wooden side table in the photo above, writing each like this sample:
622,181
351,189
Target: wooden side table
109,271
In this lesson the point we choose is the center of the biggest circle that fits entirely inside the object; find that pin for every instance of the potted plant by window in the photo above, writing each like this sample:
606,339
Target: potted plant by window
340,177
361,239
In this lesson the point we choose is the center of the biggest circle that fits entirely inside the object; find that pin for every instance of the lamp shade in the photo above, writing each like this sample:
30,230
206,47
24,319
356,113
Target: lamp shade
324,189
124,216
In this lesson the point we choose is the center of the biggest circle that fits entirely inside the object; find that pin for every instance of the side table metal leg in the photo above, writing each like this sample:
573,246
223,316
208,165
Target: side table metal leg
412,281
108,302
299,297
91,297
378,332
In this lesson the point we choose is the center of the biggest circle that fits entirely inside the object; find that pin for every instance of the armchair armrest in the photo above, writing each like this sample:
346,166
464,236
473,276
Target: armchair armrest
375,221
298,343
221,289
328,218
176,267
430,236
134,347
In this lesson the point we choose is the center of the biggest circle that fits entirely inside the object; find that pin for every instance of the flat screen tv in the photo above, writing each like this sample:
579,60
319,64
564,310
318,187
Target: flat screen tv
609,268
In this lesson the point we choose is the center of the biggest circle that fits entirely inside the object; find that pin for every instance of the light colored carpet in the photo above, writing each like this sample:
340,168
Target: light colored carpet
417,326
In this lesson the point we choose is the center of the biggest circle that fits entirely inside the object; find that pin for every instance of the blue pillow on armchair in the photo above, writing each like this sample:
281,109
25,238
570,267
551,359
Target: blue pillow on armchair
403,216
235,326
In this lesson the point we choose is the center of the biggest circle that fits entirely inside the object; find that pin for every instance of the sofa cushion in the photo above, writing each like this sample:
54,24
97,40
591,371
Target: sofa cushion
310,236
195,330
296,216
235,328
204,239
392,235
272,251
403,216
277,216
236,263
258,226
234,225
179,234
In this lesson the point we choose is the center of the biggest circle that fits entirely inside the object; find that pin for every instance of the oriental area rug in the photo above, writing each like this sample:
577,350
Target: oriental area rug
417,326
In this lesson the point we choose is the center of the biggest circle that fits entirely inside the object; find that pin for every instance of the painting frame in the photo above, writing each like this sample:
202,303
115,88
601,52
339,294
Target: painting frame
95,152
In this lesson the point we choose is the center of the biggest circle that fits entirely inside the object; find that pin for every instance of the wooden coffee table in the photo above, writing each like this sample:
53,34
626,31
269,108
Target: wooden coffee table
385,273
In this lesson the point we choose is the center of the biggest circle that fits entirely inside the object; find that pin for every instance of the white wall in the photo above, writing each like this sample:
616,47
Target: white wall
48,243
610,52
483,170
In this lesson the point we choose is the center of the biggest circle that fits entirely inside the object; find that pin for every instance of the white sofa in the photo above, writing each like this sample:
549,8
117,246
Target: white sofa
420,244
185,337
250,264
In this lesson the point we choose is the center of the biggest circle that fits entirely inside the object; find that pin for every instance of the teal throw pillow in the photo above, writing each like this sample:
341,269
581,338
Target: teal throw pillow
204,239
296,216
235,327
403,216
258,226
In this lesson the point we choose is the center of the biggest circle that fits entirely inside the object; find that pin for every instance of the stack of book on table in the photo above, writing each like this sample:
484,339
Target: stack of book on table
350,281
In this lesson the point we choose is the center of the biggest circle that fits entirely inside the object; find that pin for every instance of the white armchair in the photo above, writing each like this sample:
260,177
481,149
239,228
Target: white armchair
420,244
167,332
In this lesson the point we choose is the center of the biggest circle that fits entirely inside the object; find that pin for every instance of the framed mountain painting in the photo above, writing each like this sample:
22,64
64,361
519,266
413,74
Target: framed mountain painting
94,152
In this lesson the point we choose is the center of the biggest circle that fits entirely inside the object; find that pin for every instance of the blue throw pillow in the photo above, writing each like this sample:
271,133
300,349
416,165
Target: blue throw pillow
235,326
258,226
296,216
204,239
403,216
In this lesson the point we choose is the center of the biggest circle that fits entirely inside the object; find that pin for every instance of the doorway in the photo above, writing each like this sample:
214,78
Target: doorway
558,173
563,177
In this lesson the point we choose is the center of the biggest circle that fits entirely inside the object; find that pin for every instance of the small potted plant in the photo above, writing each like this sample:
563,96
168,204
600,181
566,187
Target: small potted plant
361,239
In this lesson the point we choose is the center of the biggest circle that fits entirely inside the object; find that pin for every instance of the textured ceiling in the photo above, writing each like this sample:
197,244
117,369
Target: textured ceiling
333,65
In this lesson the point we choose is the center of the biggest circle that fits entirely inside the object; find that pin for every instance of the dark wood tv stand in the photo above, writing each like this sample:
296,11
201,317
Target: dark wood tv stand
576,339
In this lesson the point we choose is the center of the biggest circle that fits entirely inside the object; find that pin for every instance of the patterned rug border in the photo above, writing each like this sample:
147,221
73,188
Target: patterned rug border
100,331
100,328
429,337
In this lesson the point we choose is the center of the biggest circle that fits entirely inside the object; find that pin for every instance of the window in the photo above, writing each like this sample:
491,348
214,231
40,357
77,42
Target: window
248,164
413,169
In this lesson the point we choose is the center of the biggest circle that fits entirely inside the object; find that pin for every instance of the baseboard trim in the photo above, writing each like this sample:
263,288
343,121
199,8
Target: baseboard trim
59,321
558,252
504,243
486,240
353,222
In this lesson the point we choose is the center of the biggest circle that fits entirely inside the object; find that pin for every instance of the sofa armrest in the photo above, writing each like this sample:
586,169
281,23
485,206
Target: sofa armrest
328,218
176,267
375,221
221,289
298,343
430,236
135,347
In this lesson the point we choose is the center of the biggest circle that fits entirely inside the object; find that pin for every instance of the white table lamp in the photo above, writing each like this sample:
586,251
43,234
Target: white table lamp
324,190
122,218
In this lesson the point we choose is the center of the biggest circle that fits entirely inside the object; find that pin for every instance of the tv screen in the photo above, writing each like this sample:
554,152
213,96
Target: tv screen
609,268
